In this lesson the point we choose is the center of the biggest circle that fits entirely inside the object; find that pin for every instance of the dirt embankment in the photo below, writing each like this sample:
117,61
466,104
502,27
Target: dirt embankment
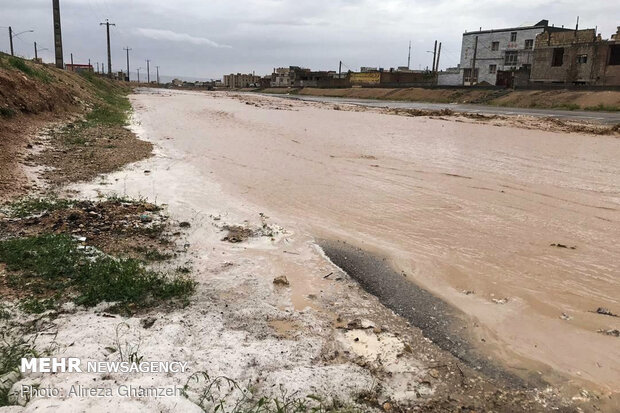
558,99
88,114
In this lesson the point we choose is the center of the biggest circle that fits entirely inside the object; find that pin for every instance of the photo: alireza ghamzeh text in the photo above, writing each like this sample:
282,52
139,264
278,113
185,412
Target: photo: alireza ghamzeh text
343,206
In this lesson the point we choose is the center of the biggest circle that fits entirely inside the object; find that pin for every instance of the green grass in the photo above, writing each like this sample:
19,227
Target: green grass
34,305
53,263
28,70
114,107
30,206
6,112
603,108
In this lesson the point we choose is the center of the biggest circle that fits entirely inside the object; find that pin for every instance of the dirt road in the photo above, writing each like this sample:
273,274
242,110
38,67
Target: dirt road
520,229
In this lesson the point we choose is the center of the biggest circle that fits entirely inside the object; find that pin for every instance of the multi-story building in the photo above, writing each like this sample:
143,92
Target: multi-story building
485,53
577,57
240,81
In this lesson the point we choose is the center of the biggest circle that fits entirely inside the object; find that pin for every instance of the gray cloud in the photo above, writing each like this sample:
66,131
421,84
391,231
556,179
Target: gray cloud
183,36
169,35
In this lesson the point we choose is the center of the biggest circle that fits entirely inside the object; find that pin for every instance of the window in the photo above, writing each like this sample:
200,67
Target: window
582,58
529,43
495,46
513,36
492,69
510,58
614,55
558,57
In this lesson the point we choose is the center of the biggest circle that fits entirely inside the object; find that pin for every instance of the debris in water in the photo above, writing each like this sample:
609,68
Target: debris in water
604,311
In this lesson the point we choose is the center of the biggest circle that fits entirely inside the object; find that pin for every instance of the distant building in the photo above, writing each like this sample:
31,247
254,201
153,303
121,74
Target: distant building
240,81
79,68
281,77
499,50
577,57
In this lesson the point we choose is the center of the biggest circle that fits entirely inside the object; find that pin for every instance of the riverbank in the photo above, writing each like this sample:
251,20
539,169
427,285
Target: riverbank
549,99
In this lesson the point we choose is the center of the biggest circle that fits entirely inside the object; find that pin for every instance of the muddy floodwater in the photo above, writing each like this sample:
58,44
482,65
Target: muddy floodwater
517,228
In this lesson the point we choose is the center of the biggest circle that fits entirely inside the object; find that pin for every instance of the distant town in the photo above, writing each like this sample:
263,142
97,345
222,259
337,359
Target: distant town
516,57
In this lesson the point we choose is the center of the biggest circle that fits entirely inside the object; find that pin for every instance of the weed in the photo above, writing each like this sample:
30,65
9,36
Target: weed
6,112
603,108
127,351
154,255
30,206
225,395
34,305
567,106
20,64
12,349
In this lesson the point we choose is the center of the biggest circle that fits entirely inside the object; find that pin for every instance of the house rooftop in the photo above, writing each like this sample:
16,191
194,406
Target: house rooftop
541,24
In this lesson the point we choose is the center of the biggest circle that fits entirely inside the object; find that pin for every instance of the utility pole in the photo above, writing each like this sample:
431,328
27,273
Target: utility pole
127,49
72,61
434,55
57,35
11,40
473,63
107,24
438,56
340,70
157,67
148,71
138,69
36,55
409,56
97,67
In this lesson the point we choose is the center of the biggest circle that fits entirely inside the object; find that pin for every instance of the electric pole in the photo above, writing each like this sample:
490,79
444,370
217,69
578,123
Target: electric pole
157,67
97,67
107,24
473,64
36,55
57,35
72,61
340,70
11,40
138,69
434,55
409,56
127,49
148,71
438,55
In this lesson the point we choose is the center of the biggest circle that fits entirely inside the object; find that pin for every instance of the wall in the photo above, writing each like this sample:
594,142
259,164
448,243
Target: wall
370,78
452,78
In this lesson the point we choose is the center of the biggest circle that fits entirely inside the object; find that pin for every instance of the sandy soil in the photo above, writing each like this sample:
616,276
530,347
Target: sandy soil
468,211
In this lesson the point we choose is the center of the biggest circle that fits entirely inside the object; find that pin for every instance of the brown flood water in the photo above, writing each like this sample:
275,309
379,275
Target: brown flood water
457,206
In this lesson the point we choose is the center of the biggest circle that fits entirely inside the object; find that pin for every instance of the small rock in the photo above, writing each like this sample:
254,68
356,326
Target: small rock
146,218
566,317
184,224
501,301
148,322
281,280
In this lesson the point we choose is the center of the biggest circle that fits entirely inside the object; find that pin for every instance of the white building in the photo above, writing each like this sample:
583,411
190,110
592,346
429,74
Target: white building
499,50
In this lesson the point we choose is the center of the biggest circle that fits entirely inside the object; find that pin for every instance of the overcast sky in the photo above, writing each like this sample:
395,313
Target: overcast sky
207,38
